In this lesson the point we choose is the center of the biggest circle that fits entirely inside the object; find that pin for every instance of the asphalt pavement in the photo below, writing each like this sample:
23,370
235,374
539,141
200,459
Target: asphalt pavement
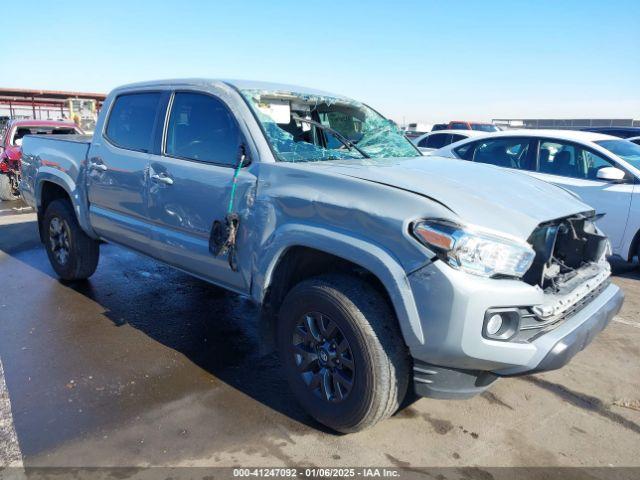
145,366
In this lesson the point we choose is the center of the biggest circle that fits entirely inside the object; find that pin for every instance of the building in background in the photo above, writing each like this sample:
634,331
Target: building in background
80,107
565,124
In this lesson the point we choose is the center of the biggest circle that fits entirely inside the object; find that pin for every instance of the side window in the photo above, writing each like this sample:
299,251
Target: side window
438,140
569,160
503,152
593,163
456,138
202,128
466,151
131,120
423,143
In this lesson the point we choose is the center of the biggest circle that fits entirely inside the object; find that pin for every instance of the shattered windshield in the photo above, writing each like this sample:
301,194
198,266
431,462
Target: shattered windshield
308,128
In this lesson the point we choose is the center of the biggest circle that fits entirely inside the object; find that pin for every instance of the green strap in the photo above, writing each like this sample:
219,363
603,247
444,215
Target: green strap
233,185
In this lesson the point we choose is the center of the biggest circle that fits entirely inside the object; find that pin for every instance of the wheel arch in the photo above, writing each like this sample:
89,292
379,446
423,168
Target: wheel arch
53,185
297,253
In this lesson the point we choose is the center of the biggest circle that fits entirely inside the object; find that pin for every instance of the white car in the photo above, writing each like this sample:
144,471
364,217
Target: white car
635,140
432,141
603,170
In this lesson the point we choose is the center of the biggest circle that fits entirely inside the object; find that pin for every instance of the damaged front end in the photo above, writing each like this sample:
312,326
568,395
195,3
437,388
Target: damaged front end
571,268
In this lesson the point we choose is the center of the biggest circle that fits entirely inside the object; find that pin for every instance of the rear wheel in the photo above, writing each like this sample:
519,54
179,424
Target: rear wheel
342,352
73,255
6,188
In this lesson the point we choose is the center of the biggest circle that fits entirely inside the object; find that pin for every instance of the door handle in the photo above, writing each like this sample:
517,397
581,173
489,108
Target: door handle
162,179
98,166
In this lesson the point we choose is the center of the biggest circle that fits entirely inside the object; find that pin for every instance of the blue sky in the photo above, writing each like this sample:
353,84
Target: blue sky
421,60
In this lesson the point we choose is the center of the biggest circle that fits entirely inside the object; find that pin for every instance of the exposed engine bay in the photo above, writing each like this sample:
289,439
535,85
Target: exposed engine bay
564,248
570,262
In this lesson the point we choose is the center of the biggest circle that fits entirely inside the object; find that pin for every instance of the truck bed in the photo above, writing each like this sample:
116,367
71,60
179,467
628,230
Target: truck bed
64,153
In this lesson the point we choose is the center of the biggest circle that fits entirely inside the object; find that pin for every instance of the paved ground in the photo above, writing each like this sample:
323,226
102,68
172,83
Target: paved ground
143,365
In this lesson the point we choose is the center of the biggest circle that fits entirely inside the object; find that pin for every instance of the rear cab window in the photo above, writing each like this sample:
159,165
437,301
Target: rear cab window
132,119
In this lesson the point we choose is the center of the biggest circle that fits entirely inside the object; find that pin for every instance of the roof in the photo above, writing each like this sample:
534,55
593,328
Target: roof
468,133
469,122
239,84
622,132
569,135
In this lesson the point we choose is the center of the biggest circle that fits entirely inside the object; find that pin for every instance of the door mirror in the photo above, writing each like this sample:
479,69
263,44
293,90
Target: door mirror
611,174
18,142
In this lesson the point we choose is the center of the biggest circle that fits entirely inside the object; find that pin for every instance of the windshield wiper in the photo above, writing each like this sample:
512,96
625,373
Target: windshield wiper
344,140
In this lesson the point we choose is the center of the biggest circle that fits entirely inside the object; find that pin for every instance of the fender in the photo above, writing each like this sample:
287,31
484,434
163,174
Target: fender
357,250
77,195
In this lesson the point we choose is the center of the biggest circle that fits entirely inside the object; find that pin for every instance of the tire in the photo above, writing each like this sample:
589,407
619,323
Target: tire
62,233
375,363
6,190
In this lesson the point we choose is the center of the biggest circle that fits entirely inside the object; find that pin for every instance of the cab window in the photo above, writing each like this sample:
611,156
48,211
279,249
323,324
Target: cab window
202,128
131,120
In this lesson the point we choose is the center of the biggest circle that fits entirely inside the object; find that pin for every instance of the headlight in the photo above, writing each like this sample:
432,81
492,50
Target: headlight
475,251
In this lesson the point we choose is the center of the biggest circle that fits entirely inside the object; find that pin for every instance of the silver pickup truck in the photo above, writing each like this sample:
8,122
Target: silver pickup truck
378,270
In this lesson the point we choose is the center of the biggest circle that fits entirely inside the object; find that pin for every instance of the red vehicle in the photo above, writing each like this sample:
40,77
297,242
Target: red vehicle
11,151
462,125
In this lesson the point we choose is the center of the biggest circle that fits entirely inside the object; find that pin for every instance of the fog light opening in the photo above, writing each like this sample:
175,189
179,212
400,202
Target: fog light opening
501,324
494,324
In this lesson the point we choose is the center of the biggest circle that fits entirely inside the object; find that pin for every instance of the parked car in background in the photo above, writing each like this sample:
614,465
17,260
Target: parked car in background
414,130
482,127
429,142
412,134
602,170
439,126
11,151
376,271
622,132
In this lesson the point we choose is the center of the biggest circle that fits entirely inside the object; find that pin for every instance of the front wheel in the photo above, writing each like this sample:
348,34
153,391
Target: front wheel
73,254
342,352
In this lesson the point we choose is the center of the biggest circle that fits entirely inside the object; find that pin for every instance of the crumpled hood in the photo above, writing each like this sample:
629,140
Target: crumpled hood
484,195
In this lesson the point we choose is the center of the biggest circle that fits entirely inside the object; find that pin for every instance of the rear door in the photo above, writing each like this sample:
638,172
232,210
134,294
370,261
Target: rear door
117,169
574,167
190,186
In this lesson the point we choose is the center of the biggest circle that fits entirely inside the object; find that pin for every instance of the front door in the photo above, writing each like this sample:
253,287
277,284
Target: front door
191,184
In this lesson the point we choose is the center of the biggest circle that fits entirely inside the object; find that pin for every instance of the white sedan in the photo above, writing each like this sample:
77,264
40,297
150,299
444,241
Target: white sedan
603,170
432,141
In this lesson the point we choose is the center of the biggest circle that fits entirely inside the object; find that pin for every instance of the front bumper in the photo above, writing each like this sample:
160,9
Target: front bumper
576,340
456,361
